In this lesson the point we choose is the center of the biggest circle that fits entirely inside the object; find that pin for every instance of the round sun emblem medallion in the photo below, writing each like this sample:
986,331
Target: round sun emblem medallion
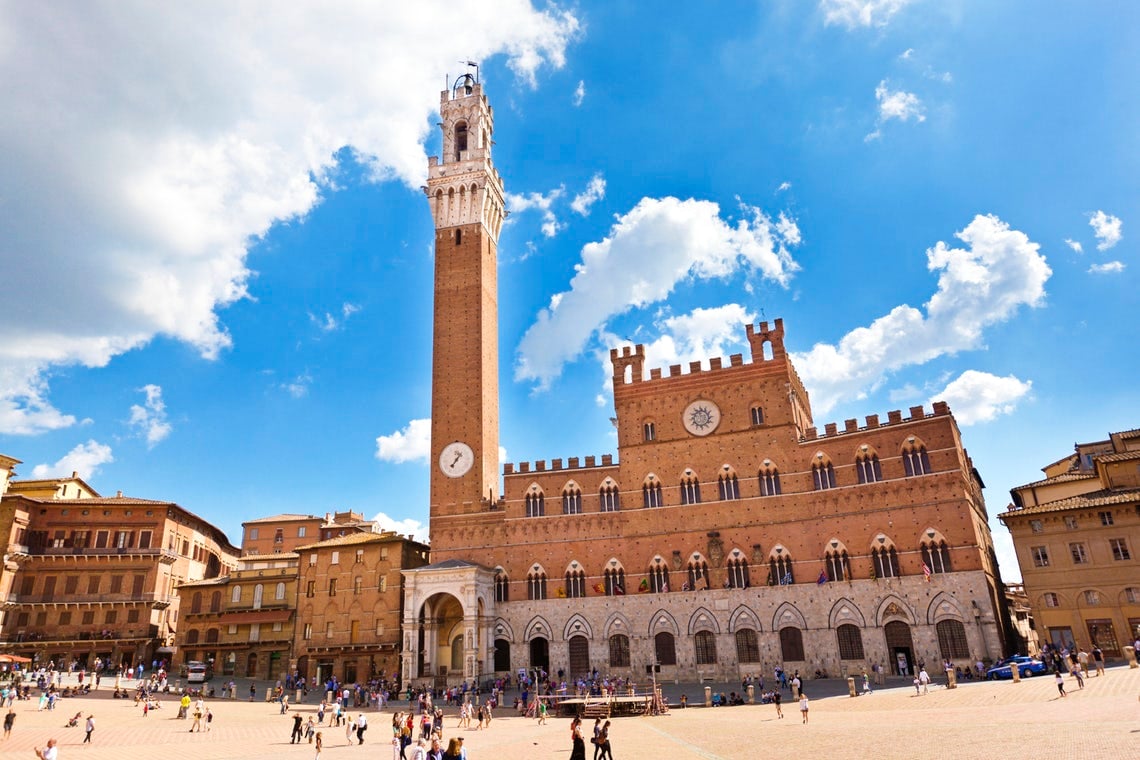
701,417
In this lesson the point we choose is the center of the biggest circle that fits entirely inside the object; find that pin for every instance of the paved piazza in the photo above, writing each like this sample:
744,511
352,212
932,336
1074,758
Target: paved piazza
999,719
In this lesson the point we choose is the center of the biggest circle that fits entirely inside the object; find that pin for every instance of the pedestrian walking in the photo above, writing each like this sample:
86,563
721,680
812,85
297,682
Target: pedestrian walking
1098,660
252,691
607,749
361,727
90,729
1060,680
295,737
348,729
1076,671
578,745
777,697
197,724
209,720
9,721
597,740
804,706
320,743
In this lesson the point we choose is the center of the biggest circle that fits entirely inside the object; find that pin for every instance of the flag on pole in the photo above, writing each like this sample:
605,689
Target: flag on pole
787,579
822,579
926,572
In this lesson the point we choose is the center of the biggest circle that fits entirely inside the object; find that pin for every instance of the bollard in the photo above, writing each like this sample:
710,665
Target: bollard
269,694
951,679
328,698
751,694
1130,656
1015,672
795,691
708,696
851,686
297,696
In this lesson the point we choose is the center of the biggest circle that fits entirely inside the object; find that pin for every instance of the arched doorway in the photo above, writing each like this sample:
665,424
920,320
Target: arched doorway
579,656
502,655
900,649
442,643
251,666
540,654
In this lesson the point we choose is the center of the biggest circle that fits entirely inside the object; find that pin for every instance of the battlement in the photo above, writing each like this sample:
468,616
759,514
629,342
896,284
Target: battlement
894,417
766,338
573,463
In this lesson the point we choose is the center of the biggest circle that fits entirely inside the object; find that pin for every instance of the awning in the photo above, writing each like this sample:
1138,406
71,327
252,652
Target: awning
260,616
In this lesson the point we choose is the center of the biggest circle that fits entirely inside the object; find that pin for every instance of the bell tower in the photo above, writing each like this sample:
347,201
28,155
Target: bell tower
466,197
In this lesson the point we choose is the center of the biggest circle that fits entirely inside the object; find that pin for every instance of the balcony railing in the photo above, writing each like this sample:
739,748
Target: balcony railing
61,598
88,551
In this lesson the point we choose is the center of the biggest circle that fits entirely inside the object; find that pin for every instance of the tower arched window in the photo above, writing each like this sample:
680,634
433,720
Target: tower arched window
699,574
757,413
651,492
822,473
867,466
610,497
936,555
837,564
460,140
915,459
575,583
614,579
658,580
572,501
690,489
535,502
769,480
737,569
536,584
728,485
648,432
502,587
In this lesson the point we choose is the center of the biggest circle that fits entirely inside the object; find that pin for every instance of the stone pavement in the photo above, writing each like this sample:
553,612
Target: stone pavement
984,719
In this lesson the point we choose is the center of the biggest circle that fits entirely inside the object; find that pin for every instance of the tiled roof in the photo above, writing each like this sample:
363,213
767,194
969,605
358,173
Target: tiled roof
1064,477
350,539
1070,458
267,557
449,564
1134,433
111,501
1102,498
221,580
282,518
1123,456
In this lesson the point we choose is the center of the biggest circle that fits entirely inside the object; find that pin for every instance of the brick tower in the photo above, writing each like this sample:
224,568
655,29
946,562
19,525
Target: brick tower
466,197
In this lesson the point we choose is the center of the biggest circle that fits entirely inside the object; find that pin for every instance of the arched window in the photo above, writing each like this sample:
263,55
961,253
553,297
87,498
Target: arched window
747,649
935,554
502,587
196,603
836,562
571,500
780,568
850,640
952,640
728,485
235,595
704,645
614,579
886,561
535,502
619,651
575,583
279,592
867,466
658,580
649,432
698,574
192,636
915,460
216,601
460,140
665,648
792,644
212,636
536,583
769,479
610,497
651,492
258,590
357,585
822,473
737,568
690,488
757,413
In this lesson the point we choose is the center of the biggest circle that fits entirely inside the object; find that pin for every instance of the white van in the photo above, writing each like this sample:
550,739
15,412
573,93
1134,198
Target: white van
197,672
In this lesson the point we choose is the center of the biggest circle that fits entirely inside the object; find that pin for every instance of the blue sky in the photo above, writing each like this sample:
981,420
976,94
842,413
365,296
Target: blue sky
217,260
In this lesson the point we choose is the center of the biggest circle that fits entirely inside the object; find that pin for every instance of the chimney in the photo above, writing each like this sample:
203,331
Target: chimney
74,474
118,494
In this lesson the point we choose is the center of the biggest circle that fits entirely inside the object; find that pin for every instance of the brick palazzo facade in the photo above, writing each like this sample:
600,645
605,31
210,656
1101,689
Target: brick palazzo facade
730,534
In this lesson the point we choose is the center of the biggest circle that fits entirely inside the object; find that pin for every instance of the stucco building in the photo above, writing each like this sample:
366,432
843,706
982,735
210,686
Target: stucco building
91,576
284,533
729,535
1076,532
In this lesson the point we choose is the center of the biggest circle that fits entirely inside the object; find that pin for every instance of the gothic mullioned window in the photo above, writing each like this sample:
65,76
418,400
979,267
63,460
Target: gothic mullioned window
610,498
575,583
651,492
535,502
690,489
727,485
648,432
867,466
572,500
915,460
886,561
737,569
614,580
780,568
822,473
837,564
536,583
769,479
502,587
698,574
757,414
935,553
658,580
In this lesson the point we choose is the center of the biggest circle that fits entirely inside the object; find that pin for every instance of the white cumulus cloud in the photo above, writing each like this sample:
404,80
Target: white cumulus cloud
1109,267
1107,229
980,397
594,192
999,270
1075,245
412,444
85,460
658,244
149,418
579,93
146,147
860,13
409,526
895,105
520,202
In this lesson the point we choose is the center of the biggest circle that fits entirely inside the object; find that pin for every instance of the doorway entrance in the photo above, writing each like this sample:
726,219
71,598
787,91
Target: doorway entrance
900,648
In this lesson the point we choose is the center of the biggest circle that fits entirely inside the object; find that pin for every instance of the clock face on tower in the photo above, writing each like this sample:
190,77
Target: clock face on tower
701,417
456,459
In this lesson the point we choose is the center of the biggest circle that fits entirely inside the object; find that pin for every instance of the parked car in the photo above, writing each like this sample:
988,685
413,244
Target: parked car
1026,667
